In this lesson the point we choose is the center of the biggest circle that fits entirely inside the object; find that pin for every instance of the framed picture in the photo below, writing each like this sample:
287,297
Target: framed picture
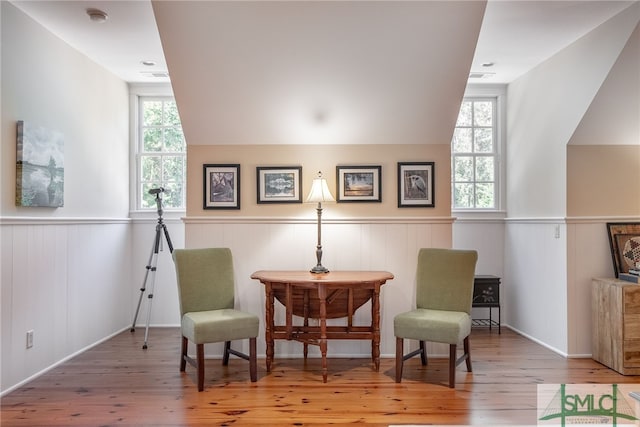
39,166
359,183
279,184
416,185
624,241
221,186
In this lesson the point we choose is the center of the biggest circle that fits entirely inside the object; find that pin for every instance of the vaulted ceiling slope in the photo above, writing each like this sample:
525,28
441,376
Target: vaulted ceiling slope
318,72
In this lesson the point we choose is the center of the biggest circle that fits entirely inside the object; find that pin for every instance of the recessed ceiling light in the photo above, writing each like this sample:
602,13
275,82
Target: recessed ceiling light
97,15
148,63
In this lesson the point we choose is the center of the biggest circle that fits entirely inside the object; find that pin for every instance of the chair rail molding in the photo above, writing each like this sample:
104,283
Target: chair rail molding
299,220
25,220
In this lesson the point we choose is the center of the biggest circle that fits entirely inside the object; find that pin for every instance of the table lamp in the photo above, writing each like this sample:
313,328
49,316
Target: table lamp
319,193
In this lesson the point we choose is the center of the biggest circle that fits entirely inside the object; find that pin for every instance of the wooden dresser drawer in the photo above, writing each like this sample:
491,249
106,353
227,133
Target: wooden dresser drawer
632,354
632,300
631,325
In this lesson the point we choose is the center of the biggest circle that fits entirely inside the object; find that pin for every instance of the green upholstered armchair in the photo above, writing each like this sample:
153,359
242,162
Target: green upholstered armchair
206,292
444,292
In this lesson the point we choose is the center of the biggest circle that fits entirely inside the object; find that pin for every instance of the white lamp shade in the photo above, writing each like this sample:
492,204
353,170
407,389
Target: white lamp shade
320,191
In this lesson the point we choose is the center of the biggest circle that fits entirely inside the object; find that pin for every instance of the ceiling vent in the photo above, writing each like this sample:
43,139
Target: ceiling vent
156,74
480,75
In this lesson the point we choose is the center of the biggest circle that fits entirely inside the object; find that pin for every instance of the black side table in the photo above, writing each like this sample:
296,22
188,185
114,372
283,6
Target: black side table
486,293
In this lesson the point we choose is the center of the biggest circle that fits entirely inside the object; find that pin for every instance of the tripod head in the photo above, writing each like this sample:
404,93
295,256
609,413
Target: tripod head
157,192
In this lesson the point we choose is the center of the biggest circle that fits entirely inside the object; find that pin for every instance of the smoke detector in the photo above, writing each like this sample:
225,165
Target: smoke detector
97,15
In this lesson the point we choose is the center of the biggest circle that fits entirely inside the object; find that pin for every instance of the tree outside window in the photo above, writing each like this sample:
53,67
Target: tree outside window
474,156
162,154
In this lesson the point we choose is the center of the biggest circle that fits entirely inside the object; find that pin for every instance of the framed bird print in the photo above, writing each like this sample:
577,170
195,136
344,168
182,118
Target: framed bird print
221,186
416,184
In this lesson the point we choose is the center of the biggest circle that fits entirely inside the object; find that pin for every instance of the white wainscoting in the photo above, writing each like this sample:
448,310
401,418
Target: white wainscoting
389,244
485,234
164,305
76,282
536,272
67,280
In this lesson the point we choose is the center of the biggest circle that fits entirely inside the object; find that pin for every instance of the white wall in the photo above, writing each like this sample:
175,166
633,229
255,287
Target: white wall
66,271
545,107
535,270
47,83
613,118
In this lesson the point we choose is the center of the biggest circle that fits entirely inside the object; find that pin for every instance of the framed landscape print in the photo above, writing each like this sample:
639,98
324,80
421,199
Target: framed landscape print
359,183
39,166
416,185
279,184
624,241
221,186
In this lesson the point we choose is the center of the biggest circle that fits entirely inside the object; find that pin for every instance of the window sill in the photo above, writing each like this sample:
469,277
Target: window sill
476,214
153,214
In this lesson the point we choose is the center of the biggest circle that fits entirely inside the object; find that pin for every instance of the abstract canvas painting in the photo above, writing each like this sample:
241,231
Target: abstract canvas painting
39,166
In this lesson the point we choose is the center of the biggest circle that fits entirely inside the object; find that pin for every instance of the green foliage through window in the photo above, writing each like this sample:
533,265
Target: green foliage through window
161,154
473,156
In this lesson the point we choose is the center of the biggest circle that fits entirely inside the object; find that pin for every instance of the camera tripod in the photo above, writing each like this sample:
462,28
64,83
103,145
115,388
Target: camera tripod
152,263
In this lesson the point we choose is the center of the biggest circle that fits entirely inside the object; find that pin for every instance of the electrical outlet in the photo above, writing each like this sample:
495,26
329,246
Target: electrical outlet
30,338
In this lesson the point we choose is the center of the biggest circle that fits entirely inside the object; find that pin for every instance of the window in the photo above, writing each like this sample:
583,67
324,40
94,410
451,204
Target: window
161,152
474,156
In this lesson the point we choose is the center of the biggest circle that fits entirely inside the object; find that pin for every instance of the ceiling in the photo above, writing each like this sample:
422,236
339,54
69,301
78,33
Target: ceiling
515,35
120,44
322,72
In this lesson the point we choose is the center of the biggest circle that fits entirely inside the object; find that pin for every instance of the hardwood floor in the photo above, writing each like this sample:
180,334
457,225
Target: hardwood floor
118,383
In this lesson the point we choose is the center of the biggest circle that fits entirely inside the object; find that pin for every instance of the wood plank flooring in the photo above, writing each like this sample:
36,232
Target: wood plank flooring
118,383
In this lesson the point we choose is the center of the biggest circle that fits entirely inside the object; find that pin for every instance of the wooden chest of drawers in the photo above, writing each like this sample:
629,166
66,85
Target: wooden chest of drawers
616,324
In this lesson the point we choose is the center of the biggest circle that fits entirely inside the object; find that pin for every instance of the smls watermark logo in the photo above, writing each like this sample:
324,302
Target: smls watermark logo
602,404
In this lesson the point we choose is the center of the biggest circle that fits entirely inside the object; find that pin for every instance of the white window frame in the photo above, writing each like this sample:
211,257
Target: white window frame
497,93
136,92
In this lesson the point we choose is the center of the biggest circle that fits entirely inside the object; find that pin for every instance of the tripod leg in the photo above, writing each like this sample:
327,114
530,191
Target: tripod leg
166,235
143,288
150,296
153,264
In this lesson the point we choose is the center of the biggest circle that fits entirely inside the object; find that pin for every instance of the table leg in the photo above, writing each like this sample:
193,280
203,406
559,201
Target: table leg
269,324
305,349
375,326
322,295
289,310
